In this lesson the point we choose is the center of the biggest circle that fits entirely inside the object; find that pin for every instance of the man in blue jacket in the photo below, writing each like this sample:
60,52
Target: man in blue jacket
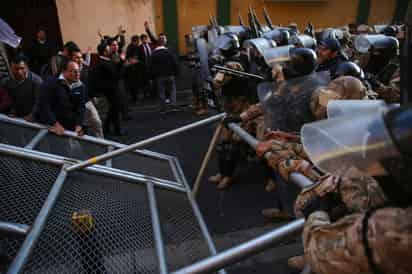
61,102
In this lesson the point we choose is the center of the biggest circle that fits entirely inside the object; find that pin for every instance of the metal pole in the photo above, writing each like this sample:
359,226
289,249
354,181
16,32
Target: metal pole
14,228
157,231
202,224
133,147
36,139
249,139
29,243
97,169
109,162
244,250
206,160
91,139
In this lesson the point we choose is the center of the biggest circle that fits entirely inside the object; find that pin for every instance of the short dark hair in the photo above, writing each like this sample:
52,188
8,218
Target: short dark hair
102,47
135,38
65,63
71,46
143,36
19,58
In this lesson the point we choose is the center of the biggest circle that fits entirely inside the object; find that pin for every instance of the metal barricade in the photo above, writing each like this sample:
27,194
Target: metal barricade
94,220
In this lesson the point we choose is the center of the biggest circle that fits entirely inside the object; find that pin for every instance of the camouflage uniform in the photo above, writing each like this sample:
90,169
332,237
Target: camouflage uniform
199,95
342,88
339,247
391,92
231,148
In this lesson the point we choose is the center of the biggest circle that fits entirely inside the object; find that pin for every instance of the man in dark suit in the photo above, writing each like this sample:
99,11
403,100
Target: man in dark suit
104,79
145,54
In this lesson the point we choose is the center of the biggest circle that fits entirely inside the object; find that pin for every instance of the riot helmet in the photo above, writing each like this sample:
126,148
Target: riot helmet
303,61
381,49
349,69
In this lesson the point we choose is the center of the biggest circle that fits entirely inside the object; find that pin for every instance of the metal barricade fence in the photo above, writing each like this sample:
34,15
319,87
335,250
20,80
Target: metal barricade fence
18,132
95,220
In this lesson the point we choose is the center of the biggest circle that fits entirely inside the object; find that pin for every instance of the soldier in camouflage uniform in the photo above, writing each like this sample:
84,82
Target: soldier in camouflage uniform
235,100
286,153
391,92
375,237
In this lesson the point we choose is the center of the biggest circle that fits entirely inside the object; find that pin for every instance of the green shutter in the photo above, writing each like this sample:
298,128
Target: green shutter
363,11
170,22
400,11
223,12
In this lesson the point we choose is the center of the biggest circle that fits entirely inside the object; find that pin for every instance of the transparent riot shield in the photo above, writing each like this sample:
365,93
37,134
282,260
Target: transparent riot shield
360,141
286,105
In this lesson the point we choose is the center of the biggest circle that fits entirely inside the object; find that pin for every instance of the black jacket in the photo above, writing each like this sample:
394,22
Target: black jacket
59,102
23,94
132,51
104,78
164,63
40,55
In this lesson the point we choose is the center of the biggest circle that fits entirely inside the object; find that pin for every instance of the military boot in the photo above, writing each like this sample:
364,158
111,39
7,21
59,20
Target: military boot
297,262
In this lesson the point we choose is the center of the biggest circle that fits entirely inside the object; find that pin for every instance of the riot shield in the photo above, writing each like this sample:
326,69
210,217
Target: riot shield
303,41
278,55
222,42
363,43
260,44
212,35
234,29
360,141
338,108
287,107
331,33
203,52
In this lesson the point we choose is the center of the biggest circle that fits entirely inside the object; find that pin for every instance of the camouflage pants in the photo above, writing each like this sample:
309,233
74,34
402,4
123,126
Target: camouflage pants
339,248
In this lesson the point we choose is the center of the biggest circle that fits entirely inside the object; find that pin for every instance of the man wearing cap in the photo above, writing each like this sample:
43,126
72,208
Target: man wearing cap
329,55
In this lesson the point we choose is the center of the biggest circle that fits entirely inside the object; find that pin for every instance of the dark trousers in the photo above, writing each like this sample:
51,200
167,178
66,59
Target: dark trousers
113,116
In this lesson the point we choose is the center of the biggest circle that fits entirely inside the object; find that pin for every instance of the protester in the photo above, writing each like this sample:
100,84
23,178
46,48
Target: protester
105,81
23,88
62,99
92,121
41,51
164,69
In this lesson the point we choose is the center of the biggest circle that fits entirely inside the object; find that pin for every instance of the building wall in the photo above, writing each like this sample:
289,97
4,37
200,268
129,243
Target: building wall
80,20
193,13
382,11
321,14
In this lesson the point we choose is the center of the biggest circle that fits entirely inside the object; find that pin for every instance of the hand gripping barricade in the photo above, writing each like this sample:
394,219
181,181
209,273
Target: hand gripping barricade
59,216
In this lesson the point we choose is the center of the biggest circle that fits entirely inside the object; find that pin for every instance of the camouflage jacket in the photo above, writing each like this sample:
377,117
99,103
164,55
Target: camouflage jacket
358,192
338,247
